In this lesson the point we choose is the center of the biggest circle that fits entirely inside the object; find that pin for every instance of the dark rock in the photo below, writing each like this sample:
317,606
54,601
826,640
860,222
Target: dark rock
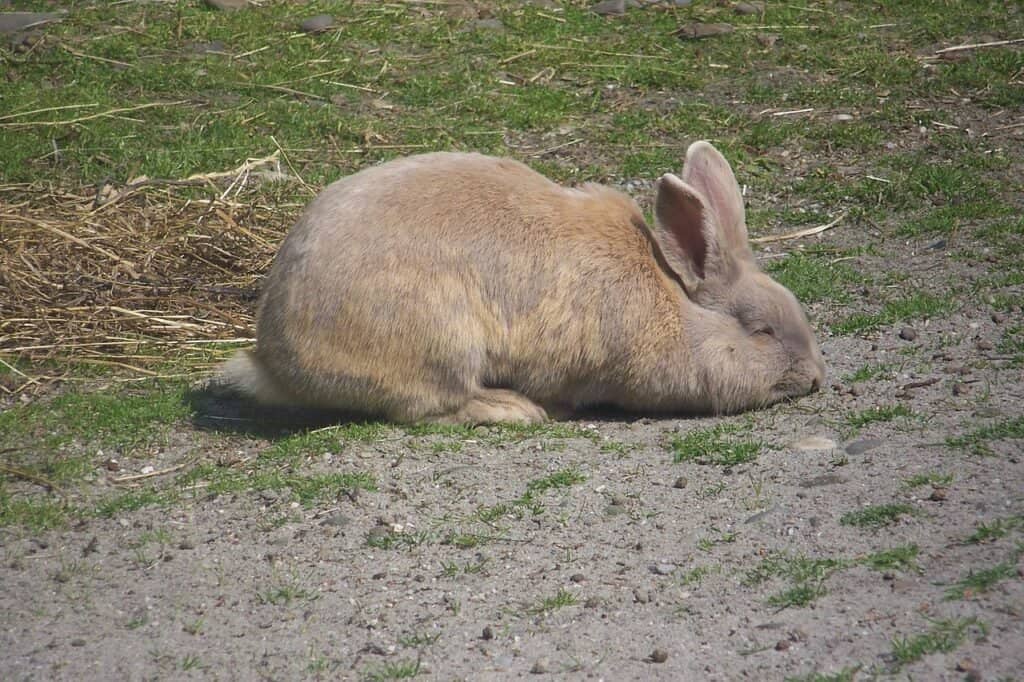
680,482
908,334
748,7
998,318
659,656
227,5
487,633
859,447
984,344
577,577
12,22
317,24
609,7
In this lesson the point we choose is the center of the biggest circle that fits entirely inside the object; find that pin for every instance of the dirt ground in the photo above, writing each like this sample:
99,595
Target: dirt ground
641,568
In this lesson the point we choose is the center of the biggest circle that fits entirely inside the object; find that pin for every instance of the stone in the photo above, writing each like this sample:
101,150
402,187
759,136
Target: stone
227,5
908,334
317,24
609,7
859,447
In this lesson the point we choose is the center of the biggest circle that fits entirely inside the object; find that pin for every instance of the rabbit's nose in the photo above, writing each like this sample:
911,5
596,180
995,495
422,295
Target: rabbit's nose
815,384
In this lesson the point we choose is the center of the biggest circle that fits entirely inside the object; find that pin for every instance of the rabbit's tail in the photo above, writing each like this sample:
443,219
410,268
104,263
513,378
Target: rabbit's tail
245,374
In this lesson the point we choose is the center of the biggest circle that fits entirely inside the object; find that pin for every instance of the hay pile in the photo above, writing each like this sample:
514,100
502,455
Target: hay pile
144,279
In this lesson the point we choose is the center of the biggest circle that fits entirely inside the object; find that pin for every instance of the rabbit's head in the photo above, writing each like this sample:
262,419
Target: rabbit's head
702,234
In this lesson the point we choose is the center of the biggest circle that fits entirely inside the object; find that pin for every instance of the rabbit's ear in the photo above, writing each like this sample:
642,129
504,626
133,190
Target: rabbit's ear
709,173
685,232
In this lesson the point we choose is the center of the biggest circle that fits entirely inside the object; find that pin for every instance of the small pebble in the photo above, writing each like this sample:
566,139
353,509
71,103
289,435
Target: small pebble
577,577
591,603
609,7
782,645
985,344
227,4
680,482
663,569
908,334
842,118
998,318
939,494
859,447
748,8
186,544
960,389
659,656
78,641
488,633
317,24
542,666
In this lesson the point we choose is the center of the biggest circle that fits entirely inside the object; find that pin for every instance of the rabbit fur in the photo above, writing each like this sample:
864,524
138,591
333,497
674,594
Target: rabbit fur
458,287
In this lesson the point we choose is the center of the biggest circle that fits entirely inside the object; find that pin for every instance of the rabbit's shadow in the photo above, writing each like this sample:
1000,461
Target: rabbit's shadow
214,409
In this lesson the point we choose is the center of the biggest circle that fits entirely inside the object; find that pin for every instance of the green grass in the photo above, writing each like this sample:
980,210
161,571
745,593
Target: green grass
982,580
994,530
877,516
724,445
393,670
917,306
559,600
944,636
867,373
879,414
806,577
933,478
977,441
894,559
813,278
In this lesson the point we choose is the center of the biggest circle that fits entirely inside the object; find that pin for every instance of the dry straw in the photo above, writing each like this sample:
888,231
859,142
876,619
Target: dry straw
131,277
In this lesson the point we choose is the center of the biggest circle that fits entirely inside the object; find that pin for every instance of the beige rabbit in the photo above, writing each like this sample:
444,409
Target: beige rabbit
464,288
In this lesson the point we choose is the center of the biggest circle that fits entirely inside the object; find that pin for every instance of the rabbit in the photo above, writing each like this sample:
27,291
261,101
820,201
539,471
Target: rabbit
461,288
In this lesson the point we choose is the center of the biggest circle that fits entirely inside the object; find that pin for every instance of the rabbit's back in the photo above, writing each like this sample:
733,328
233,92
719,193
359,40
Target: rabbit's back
460,269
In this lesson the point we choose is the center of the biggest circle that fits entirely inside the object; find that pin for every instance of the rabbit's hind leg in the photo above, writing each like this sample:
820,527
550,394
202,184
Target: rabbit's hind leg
494,405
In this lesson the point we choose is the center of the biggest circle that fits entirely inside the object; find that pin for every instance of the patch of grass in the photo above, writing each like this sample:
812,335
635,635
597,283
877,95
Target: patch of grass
393,670
419,639
1012,343
877,414
914,307
806,577
933,478
385,538
33,513
129,501
897,558
560,600
284,591
944,636
877,516
976,441
722,445
979,582
994,530
707,544
867,373
812,278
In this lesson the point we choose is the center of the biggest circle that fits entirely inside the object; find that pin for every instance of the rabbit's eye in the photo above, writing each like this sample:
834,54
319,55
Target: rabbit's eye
767,330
